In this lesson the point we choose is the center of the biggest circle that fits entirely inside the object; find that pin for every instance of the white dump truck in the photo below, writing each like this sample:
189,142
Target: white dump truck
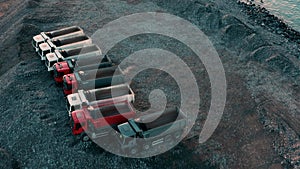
62,43
72,53
99,97
64,32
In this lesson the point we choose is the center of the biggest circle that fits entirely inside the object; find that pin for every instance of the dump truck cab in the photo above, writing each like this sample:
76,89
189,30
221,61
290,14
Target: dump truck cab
78,122
128,133
43,49
70,84
39,39
60,69
51,59
74,103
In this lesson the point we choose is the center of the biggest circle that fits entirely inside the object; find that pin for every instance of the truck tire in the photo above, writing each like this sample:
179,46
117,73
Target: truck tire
85,138
58,84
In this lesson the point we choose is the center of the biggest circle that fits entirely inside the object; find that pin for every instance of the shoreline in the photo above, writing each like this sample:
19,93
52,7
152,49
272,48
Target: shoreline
280,9
271,22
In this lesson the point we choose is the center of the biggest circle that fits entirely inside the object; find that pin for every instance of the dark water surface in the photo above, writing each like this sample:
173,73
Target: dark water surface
288,10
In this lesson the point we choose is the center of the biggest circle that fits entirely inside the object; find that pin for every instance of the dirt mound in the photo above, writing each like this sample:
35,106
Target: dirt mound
261,67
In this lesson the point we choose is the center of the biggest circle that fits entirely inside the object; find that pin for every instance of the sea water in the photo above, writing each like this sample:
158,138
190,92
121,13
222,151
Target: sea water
288,10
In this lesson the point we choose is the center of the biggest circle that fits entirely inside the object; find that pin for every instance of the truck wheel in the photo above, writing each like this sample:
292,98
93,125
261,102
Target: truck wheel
58,84
85,138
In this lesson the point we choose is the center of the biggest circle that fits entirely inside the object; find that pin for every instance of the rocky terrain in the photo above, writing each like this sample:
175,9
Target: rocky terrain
260,127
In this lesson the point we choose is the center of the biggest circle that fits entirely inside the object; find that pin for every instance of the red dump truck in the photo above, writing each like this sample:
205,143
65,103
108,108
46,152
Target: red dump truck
64,32
151,130
99,97
72,53
61,43
92,79
87,63
99,122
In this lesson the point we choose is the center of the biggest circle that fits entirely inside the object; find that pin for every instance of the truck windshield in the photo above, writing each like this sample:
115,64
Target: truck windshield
56,73
76,126
47,62
67,86
40,51
34,43
71,108
50,64
45,52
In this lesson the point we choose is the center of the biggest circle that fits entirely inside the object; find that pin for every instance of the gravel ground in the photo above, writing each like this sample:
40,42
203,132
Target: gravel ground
259,129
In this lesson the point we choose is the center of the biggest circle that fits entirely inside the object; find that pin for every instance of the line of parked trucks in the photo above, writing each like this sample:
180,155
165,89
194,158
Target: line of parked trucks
99,99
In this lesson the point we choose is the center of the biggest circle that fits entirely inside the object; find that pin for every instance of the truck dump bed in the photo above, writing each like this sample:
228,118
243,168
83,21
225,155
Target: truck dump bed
107,93
95,64
62,43
63,31
152,121
77,51
83,62
111,110
103,82
98,73
100,97
69,40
